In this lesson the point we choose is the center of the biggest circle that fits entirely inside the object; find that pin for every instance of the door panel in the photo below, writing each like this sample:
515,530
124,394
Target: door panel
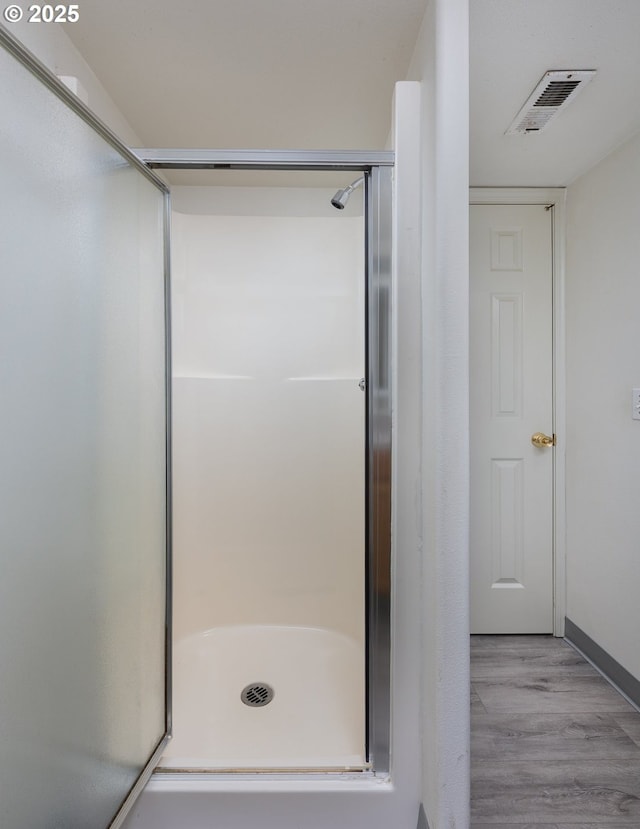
511,364
83,473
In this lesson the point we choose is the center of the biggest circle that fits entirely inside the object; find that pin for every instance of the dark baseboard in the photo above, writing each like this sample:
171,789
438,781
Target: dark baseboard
423,823
612,670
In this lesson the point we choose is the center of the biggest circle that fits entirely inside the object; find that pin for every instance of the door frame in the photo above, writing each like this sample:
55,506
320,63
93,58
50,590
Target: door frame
555,199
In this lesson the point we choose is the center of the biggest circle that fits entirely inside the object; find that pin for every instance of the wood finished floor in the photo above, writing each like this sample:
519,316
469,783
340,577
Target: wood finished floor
553,745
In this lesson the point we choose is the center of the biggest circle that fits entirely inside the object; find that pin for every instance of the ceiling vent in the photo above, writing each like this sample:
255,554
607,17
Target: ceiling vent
554,92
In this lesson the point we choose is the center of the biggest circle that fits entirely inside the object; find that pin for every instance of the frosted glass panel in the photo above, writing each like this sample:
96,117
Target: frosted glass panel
82,475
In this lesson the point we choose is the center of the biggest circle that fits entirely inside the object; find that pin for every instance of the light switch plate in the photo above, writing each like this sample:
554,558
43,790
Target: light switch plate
635,412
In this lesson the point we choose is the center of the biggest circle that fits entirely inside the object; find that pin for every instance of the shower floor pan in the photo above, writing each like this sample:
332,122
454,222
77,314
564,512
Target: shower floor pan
305,689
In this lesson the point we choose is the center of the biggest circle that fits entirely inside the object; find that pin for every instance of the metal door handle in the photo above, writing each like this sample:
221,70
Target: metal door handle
541,440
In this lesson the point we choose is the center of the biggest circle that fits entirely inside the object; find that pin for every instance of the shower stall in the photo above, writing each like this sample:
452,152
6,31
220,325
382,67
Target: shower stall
280,403
268,478
274,488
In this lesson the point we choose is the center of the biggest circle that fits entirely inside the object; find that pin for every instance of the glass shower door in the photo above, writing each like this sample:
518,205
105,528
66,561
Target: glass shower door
84,468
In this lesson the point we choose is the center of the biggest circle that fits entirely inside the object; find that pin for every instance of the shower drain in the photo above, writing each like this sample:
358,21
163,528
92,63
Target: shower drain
257,694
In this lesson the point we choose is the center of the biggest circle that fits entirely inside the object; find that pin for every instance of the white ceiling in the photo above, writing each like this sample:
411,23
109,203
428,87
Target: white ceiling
512,44
307,74
319,74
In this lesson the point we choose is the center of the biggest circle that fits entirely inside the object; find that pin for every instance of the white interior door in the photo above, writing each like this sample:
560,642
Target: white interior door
511,366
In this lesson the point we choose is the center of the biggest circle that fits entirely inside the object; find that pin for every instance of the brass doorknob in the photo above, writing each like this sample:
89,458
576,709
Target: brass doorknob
541,440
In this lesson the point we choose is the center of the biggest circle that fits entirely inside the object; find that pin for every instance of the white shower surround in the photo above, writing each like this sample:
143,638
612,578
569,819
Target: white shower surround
268,479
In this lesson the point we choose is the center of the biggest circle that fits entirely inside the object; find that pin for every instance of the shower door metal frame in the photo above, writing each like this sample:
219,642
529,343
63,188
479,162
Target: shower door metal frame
379,587
377,167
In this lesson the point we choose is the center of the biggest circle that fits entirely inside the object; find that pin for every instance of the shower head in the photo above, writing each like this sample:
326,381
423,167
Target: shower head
342,196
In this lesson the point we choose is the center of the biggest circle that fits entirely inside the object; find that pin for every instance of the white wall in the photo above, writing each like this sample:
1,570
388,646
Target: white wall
50,44
441,63
603,442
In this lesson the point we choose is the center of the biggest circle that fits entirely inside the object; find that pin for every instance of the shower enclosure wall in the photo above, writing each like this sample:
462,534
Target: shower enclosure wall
269,497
